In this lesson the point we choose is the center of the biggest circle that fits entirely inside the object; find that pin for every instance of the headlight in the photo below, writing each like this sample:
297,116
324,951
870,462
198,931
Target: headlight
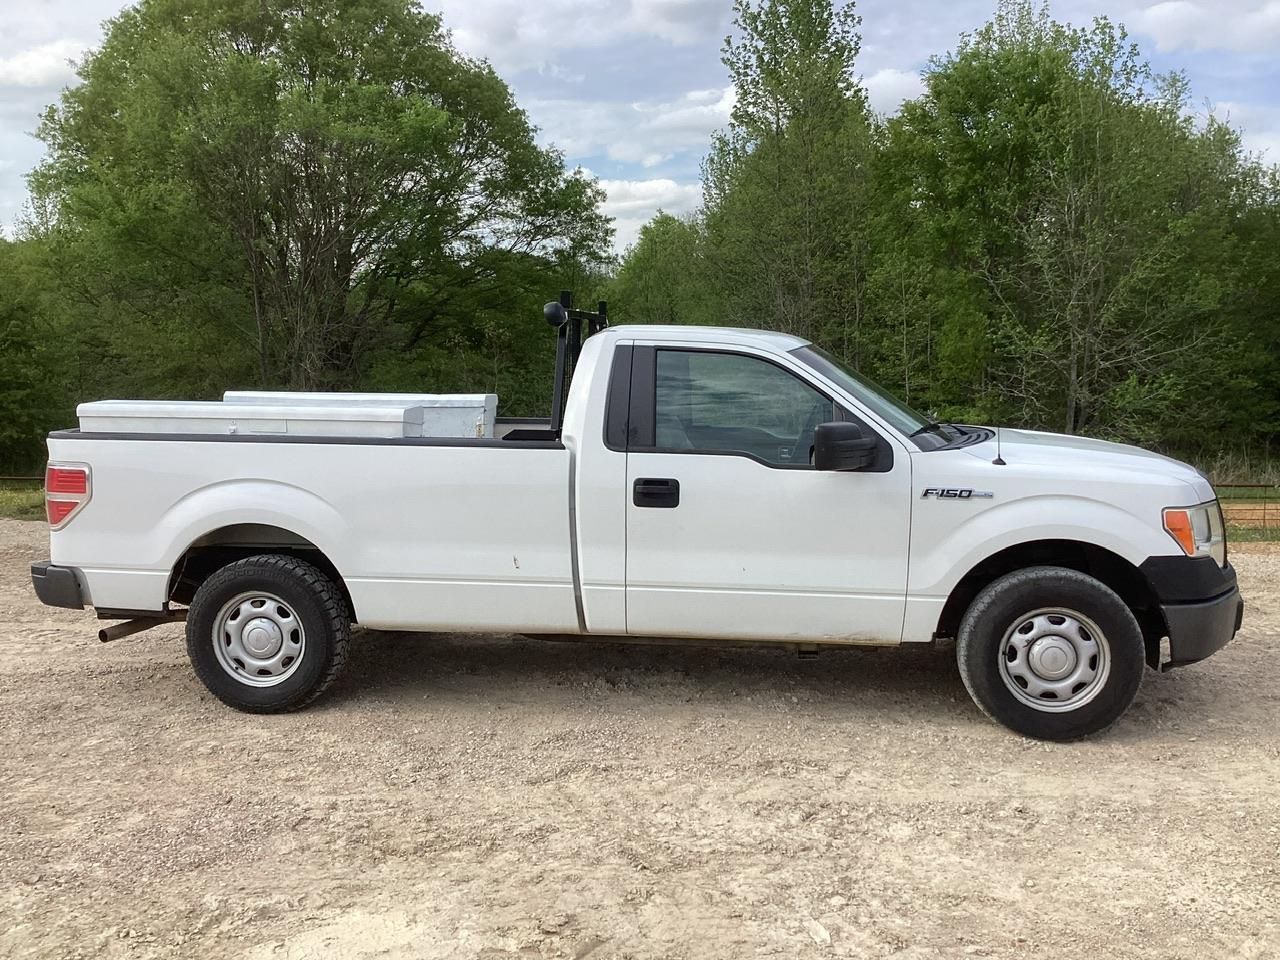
1198,530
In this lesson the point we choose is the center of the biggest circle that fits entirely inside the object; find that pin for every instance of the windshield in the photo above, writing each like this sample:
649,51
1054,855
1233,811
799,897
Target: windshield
893,411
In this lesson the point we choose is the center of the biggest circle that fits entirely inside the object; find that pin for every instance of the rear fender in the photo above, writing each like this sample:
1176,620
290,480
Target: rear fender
269,502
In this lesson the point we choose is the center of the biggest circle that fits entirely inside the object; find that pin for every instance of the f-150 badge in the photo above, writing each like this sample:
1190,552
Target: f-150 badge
956,493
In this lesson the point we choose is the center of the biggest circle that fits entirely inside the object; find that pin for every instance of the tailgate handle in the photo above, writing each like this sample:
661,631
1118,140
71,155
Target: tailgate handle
651,492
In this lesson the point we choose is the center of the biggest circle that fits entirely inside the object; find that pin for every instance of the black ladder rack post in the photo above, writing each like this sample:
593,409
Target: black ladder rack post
575,340
568,322
601,320
562,368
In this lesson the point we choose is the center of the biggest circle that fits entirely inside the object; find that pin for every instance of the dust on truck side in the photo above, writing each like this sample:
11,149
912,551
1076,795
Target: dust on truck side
691,482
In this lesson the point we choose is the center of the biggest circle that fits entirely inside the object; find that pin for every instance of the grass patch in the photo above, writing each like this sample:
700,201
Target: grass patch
1254,465
21,502
1239,533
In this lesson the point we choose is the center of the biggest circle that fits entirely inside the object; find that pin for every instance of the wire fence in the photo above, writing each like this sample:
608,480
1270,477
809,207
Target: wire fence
1252,510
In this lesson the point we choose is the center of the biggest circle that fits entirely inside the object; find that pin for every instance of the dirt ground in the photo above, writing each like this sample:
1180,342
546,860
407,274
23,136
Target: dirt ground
496,797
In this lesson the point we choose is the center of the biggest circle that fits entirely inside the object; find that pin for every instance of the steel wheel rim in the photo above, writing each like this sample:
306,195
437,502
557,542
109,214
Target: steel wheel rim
1054,660
258,639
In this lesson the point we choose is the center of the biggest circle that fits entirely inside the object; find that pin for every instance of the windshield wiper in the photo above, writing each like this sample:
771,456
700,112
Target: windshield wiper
941,426
929,424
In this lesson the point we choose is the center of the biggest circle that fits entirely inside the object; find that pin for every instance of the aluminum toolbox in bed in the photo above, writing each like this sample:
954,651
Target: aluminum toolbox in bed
444,414
212,417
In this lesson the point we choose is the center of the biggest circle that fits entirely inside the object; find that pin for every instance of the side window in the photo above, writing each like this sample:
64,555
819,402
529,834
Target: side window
735,403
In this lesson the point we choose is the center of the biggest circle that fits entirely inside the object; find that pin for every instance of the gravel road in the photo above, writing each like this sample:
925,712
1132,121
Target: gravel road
486,797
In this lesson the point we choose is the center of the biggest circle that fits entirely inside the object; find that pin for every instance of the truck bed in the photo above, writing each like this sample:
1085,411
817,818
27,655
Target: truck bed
422,531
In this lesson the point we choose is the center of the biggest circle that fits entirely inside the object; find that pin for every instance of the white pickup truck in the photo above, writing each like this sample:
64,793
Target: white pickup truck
726,484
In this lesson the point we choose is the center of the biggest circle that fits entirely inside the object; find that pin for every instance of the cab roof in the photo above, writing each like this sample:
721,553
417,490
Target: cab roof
741,336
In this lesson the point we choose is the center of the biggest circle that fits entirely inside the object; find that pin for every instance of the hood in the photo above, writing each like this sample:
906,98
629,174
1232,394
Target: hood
1084,454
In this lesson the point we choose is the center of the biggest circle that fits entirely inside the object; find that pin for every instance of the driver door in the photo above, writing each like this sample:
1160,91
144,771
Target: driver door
731,532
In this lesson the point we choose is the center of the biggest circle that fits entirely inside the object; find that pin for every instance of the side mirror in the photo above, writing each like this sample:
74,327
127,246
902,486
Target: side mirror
841,446
555,314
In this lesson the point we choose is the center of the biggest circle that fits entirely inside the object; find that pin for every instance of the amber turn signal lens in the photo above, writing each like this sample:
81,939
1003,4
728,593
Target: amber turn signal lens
1178,523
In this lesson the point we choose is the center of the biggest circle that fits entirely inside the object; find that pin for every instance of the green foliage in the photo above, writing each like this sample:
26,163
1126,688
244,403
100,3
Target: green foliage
296,188
782,184
1044,237
661,280
327,194
492,344
1065,197
31,365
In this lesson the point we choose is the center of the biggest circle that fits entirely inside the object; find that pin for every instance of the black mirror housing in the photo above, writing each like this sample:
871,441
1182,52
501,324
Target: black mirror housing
555,314
842,446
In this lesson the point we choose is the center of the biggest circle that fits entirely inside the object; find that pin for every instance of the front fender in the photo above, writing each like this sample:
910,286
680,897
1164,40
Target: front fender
942,555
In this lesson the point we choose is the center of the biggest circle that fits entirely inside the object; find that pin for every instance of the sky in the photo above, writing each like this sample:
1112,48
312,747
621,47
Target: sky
632,89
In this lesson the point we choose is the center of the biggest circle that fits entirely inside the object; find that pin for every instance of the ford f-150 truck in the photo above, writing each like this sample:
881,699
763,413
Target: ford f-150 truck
724,484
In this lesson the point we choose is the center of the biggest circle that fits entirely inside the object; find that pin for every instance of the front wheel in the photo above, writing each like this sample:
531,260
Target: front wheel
1051,653
268,634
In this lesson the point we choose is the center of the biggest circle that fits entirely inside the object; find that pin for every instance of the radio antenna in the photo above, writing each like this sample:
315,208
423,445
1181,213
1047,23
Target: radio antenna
999,460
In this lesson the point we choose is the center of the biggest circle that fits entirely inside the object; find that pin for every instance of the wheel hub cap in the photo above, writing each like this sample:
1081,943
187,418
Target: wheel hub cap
262,637
258,639
1054,660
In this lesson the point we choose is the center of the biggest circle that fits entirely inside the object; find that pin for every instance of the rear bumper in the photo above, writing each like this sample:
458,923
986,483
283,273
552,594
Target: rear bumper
57,586
1201,604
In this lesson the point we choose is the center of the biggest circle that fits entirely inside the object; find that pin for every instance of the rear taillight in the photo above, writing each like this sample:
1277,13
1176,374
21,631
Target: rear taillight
67,488
66,480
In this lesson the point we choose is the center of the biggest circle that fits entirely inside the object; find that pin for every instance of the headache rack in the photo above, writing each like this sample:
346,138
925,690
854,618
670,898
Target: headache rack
568,323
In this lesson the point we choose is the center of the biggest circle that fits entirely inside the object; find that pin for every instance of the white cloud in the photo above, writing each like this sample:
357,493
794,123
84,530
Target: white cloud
1225,24
33,68
887,88
632,203
677,21
643,132
520,35
1259,126
602,77
560,72
46,65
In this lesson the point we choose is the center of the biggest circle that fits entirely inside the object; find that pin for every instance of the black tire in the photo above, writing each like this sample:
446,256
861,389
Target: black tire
1003,605
311,596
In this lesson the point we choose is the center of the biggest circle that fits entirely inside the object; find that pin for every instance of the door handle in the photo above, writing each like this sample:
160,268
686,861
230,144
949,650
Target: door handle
655,492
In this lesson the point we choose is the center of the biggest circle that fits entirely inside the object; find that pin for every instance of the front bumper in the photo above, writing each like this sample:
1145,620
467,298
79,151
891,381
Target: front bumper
57,586
1198,630
1201,604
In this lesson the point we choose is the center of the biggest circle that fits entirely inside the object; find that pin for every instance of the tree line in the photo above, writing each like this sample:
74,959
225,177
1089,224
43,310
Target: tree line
307,195
328,195
1046,236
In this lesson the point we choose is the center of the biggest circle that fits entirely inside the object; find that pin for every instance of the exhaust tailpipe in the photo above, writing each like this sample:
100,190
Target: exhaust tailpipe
130,627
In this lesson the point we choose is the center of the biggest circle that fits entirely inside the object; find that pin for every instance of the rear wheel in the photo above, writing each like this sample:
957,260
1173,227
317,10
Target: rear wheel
268,634
1051,653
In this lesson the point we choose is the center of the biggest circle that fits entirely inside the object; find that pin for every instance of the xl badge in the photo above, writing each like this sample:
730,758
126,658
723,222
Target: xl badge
956,493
